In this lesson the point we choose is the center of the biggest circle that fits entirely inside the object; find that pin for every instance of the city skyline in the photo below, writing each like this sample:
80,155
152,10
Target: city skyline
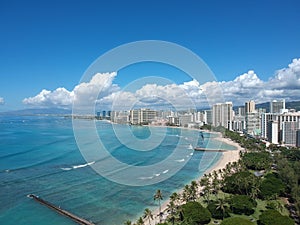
252,48
278,125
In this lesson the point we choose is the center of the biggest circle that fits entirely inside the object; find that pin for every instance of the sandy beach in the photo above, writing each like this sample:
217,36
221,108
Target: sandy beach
227,156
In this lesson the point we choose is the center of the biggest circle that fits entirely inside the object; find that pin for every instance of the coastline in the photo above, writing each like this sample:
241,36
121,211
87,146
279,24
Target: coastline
226,157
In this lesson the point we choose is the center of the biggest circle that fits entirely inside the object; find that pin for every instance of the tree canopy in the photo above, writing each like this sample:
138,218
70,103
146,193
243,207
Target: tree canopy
271,187
273,217
240,183
242,204
236,221
257,160
218,211
195,213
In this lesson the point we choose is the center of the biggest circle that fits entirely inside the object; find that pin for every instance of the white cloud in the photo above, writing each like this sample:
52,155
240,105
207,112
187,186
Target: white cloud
287,78
150,95
284,84
2,101
85,93
58,97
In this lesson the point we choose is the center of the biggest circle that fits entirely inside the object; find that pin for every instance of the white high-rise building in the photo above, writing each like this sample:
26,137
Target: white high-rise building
284,125
249,107
140,116
253,126
276,106
265,118
184,120
208,118
272,132
289,132
222,114
239,123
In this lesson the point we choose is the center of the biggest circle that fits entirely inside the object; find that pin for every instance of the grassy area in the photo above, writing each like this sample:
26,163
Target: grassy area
261,206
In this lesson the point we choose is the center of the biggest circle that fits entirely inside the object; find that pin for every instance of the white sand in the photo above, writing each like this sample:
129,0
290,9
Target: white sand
227,156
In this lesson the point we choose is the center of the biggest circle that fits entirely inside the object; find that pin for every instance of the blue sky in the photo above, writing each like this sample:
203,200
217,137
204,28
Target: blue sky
49,44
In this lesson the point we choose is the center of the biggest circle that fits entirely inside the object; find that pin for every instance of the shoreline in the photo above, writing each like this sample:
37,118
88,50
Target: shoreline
226,157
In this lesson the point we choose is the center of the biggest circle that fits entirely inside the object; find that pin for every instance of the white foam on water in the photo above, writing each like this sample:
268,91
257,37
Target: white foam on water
180,160
165,171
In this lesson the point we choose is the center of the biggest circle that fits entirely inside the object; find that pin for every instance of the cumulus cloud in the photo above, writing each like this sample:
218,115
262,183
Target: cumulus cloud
151,95
58,97
287,78
101,90
2,101
285,83
85,93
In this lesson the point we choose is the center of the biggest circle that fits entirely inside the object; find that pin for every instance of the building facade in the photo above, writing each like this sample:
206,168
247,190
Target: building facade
141,116
222,115
249,107
277,105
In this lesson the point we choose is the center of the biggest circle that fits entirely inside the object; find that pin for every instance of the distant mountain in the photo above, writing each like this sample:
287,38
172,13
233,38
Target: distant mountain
59,111
293,105
36,111
265,105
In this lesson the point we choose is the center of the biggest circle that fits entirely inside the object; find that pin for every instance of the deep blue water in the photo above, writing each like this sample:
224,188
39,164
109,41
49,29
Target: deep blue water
39,154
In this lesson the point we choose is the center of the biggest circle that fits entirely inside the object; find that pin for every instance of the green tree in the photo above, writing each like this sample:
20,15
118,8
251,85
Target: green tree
205,184
195,213
273,217
193,191
175,197
271,187
128,222
148,215
236,221
242,204
222,206
240,183
158,197
172,209
219,209
140,221
257,160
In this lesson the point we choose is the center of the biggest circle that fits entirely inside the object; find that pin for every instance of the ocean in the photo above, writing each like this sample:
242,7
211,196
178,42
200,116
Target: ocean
39,155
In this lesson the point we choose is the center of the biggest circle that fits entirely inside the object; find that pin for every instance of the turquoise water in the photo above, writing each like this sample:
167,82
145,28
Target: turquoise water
39,155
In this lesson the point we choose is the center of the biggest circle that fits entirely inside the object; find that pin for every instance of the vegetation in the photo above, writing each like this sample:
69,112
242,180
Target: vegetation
273,217
242,204
140,221
236,221
237,195
219,209
257,160
158,197
271,187
195,213
148,214
240,183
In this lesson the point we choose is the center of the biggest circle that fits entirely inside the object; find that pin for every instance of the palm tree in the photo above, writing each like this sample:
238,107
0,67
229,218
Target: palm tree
128,222
148,215
175,198
255,190
186,195
158,197
205,183
221,205
194,189
172,209
140,221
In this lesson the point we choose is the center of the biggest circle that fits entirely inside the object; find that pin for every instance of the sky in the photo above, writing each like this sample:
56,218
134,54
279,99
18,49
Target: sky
252,47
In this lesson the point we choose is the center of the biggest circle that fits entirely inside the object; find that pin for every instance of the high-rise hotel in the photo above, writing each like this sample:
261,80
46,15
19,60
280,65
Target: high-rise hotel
222,115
